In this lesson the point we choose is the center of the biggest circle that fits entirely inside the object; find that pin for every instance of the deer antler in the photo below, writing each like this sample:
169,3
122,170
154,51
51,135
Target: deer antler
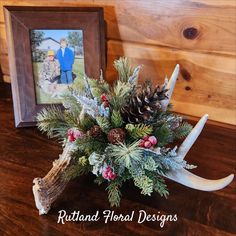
188,179
183,176
46,190
170,85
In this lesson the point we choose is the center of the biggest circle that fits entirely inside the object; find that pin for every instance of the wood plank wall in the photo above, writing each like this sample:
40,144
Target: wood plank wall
200,35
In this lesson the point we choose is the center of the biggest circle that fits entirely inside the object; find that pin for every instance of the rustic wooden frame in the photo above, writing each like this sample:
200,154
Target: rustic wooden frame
19,22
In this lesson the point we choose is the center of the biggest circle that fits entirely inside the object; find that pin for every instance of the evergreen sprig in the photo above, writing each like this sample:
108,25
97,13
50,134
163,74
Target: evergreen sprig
71,104
99,180
123,68
51,120
160,186
145,184
165,135
86,123
123,154
120,94
88,145
104,123
137,131
114,193
116,119
183,130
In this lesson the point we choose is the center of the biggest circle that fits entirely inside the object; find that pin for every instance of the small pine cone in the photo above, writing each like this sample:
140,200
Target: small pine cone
116,135
176,123
95,131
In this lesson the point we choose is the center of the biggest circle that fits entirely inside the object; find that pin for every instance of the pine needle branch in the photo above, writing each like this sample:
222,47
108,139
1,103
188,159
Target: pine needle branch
86,123
104,123
183,130
116,119
89,145
124,155
137,131
121,93
164,134
52,121
123,68
71,104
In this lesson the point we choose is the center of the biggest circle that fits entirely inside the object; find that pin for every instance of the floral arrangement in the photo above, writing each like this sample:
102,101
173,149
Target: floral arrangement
119,132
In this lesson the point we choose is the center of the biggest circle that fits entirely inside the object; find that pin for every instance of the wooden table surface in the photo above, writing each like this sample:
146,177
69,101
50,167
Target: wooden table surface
25,154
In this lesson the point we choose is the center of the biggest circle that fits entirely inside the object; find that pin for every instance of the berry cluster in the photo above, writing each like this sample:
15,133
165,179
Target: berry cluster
148,141
104,100
108,173
74,134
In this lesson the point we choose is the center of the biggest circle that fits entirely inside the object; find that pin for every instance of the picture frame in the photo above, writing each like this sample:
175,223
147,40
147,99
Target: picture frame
21,22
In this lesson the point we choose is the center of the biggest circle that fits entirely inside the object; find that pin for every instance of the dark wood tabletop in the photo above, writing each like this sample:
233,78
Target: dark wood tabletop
25,153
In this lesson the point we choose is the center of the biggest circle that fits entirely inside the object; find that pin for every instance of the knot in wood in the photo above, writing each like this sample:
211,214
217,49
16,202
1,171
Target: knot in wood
190,33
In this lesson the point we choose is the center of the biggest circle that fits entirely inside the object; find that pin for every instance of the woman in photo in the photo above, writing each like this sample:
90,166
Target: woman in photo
66,59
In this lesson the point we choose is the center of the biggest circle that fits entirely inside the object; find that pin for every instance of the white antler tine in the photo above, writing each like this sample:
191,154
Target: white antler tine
172,81
191,180
170,87
191,138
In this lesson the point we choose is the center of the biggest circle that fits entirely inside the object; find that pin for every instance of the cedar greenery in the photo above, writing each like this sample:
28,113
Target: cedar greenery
114,193
93,108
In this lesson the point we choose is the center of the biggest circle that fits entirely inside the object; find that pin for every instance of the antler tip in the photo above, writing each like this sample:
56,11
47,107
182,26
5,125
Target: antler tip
230,178
176,70
205,117
225,181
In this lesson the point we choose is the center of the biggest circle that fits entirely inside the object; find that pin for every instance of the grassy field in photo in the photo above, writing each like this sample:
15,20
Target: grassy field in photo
44,98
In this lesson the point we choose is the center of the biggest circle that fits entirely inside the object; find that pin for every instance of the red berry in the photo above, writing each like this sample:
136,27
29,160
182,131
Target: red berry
141,143
70,132
153,140
71,138
104,97
145,138
112,176
108,174
147,144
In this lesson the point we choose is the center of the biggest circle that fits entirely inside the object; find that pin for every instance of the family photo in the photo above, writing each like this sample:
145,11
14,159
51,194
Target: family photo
58,61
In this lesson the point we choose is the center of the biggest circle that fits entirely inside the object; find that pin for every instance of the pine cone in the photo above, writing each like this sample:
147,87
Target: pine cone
116,135
175,122
95,131
143,104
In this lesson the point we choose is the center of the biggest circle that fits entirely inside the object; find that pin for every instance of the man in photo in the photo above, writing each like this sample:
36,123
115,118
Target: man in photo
66,58
50,69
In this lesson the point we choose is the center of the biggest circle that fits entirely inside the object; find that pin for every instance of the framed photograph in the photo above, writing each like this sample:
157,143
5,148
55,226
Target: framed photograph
50,48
